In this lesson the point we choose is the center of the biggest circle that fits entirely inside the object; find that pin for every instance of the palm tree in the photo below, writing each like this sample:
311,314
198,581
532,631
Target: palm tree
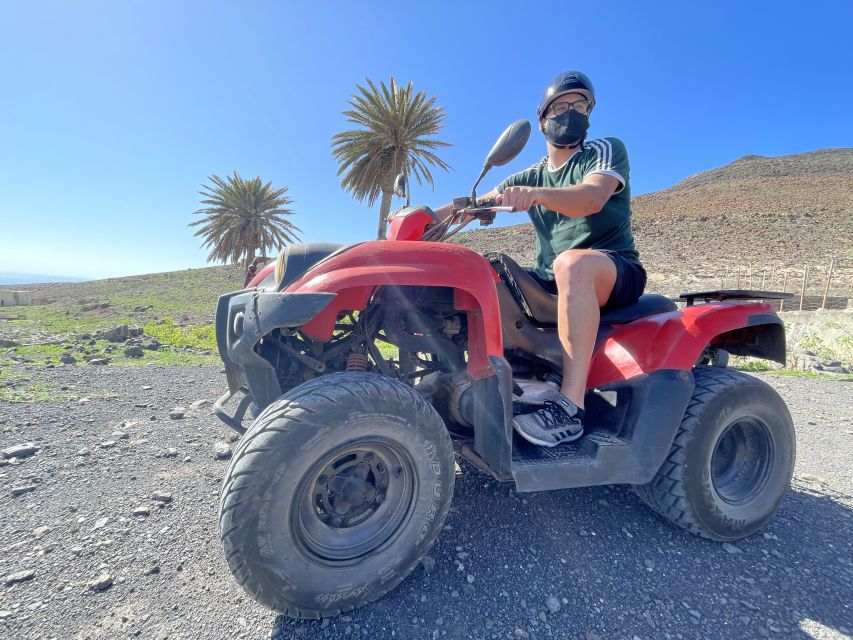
243,216
395,137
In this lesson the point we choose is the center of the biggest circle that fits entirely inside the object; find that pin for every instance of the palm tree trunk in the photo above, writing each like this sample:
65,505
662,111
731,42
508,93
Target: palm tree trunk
384,209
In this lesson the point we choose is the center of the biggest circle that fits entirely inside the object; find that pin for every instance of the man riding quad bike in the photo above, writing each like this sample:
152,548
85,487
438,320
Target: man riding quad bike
368,365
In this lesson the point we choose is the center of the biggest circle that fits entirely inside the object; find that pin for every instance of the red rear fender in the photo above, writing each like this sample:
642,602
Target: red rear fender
356,274
673,340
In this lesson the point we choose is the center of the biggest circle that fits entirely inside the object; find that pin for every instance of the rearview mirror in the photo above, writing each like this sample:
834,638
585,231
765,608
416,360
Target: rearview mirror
401,186
510,143
508,146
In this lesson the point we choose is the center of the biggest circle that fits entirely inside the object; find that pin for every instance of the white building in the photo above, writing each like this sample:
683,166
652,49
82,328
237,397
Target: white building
15,298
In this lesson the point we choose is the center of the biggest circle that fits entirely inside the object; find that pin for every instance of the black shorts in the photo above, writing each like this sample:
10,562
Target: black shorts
630,281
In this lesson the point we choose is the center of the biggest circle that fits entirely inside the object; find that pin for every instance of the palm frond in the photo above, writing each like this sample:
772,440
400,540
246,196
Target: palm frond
396,134
243,216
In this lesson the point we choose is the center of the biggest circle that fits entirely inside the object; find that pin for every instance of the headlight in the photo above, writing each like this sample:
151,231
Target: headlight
237,327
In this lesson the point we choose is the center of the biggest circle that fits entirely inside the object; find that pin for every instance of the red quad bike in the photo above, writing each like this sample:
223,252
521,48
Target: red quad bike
368,365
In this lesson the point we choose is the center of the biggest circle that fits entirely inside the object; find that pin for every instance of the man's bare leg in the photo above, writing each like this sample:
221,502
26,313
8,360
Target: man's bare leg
585,280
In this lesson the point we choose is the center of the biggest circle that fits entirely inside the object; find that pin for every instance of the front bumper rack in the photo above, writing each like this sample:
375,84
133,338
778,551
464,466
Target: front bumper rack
235,421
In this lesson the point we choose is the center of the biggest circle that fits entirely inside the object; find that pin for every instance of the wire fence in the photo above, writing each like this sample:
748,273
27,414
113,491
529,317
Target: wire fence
814,286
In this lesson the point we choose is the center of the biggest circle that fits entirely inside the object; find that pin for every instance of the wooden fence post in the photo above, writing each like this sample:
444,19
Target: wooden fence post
828,280
784,290
803,290
737,272
763,274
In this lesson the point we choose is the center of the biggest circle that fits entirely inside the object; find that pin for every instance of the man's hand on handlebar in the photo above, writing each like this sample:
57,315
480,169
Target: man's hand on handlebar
484,209
519,198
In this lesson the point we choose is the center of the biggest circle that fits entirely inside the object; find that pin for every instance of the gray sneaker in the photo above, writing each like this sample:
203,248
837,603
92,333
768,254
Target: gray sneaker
557,422
539,392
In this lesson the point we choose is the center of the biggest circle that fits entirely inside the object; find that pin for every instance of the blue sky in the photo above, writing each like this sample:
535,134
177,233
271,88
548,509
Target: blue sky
112,114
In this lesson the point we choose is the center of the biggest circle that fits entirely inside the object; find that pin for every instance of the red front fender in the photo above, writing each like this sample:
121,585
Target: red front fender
356,273
673,340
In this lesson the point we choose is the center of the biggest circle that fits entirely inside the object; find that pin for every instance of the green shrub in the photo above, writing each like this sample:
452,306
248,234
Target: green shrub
198,336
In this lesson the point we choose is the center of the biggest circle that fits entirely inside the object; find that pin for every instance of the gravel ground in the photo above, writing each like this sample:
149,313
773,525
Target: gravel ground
582,564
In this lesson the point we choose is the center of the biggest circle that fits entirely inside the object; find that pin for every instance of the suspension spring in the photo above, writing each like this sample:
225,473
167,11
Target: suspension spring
358,362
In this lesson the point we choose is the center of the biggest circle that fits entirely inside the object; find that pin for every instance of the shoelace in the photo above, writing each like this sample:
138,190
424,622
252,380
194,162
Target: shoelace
553,415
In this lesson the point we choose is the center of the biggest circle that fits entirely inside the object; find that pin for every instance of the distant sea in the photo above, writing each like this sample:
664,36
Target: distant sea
7,278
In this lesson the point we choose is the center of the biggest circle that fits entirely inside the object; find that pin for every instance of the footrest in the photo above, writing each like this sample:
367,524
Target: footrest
630,427
576,464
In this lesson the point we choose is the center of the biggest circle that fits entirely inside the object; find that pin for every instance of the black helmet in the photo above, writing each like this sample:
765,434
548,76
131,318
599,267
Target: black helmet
568,81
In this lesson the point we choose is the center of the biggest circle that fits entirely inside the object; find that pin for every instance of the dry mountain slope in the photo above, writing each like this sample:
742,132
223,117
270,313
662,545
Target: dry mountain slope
777,213
818,182
780,212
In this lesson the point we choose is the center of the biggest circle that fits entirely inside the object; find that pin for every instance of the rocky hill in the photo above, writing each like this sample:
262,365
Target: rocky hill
773,214
187,296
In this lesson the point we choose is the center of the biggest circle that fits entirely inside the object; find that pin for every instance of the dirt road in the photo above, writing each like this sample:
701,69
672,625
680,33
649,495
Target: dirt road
582,564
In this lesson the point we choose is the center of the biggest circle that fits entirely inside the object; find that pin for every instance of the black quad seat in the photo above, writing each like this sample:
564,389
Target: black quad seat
541,305
646,305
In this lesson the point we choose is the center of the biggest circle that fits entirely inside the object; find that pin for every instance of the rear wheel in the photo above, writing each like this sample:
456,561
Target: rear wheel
714,357
335,493
732,460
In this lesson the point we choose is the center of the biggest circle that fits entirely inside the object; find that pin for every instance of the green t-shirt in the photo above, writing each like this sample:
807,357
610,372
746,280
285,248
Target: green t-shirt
610,228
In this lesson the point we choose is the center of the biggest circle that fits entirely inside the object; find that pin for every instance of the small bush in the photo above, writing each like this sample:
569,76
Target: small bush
198,336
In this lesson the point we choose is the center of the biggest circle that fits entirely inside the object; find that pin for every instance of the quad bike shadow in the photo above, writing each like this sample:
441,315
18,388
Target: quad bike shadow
370,366
581,551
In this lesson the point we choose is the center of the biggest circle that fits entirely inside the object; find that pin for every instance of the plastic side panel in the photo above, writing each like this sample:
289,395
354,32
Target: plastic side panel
261,313
356,274
673,340
492,417
639,429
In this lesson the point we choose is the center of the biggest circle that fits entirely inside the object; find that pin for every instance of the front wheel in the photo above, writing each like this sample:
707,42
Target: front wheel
732,460
336,492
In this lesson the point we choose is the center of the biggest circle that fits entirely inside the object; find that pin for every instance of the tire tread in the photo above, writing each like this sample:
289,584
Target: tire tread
307,398
665,493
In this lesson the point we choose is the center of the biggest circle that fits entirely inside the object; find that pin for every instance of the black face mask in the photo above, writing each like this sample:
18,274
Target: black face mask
567,129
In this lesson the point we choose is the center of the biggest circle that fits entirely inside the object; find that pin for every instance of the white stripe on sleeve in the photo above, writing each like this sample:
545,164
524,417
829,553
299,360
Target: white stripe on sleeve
609,147
599,153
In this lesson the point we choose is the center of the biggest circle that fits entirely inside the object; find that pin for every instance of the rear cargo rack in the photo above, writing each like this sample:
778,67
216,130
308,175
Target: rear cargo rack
733,294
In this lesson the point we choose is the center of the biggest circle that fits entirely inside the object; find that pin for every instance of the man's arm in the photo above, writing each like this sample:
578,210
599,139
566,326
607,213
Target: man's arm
446,210
576,201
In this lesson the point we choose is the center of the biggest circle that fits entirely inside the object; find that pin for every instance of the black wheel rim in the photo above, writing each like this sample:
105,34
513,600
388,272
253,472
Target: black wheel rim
353,502
742,461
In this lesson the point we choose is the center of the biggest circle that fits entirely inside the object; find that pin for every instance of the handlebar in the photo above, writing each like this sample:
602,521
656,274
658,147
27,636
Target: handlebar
486,215
483,209
464,210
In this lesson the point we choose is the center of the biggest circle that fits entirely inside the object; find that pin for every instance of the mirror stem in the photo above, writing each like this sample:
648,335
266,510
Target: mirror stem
485,170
